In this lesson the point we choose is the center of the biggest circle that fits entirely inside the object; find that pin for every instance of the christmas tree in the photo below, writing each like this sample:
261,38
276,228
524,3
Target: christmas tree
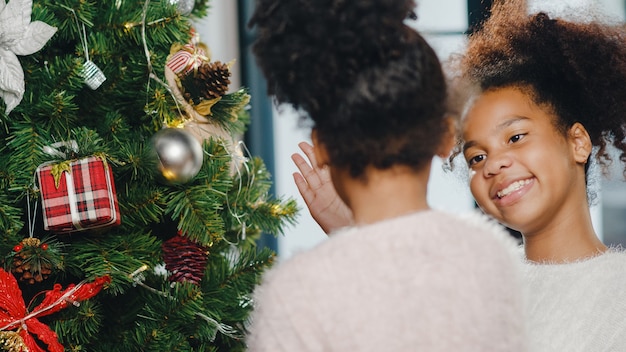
129,212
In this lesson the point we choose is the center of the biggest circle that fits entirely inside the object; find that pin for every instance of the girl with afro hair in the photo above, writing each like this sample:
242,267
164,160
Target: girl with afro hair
549,99
543,98
401,277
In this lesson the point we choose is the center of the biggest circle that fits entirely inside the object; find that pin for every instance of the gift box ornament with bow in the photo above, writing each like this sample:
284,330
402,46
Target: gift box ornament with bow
78,195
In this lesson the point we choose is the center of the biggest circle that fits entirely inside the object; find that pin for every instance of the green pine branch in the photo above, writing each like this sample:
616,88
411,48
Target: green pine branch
225,207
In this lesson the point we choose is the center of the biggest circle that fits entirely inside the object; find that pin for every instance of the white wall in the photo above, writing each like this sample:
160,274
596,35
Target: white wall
219,30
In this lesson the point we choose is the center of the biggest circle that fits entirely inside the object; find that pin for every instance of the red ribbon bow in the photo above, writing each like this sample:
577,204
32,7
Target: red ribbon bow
14,315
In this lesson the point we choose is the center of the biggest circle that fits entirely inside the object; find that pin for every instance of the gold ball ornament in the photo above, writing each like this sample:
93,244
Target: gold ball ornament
179,155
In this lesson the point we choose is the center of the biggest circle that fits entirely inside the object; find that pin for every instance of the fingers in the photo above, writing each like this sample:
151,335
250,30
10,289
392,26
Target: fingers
303,165
303,187
307,149
308,179
310,173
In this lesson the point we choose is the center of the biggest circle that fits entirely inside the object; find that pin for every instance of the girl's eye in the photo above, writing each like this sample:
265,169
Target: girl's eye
475,160
516,138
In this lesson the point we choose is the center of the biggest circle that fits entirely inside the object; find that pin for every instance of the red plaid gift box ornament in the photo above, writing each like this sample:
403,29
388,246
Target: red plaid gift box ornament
78,195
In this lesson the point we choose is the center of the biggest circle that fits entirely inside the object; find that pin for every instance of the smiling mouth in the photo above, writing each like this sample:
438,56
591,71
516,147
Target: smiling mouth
512,188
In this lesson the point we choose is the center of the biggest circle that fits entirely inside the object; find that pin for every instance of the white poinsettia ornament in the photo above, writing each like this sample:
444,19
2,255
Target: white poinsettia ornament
18,36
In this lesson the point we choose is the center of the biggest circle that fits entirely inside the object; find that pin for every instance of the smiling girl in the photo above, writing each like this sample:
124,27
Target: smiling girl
549,100
529,172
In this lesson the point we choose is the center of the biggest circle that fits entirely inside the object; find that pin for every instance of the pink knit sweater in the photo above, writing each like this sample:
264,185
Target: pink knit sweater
427,281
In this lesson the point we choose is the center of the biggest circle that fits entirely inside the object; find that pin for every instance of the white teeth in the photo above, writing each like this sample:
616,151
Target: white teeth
513,187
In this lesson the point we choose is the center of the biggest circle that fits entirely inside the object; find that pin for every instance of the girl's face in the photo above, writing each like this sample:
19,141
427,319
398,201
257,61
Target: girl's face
522,170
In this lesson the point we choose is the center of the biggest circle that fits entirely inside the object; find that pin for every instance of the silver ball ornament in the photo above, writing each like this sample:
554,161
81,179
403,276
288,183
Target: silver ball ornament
179,155
184,6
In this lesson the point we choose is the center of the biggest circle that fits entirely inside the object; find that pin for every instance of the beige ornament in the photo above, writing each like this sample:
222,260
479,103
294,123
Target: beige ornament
184,60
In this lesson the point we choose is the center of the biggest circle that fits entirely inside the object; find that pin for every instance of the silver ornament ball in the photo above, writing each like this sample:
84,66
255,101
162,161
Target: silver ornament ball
179,155
184,6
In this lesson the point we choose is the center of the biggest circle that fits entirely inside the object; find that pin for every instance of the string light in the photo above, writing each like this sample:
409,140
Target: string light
138,279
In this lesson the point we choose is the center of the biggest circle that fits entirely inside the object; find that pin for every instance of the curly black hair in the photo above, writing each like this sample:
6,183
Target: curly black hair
578,69
372,86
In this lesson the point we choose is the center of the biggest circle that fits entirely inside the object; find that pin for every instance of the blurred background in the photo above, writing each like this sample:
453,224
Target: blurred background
275,133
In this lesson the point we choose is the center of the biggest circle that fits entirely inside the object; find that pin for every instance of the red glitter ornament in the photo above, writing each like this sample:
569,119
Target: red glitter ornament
184,259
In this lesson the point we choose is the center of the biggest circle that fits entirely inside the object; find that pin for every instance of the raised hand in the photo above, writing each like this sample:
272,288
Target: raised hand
316,187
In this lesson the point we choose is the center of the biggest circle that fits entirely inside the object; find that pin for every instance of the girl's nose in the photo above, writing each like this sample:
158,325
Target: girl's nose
495,163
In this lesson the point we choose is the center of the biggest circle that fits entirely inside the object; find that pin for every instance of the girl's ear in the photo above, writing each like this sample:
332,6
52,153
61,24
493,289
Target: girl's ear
320,151
448,139
581,142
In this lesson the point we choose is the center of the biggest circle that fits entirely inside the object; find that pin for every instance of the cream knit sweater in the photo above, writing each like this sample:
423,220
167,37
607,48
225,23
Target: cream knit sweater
579,306
427,281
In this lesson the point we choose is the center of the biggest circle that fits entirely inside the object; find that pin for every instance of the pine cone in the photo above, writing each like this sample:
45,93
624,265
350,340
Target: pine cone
29,266
184,259
209,81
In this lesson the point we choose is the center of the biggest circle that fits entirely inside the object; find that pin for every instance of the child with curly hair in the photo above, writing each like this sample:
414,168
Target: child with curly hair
544,98
550,99
403,277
